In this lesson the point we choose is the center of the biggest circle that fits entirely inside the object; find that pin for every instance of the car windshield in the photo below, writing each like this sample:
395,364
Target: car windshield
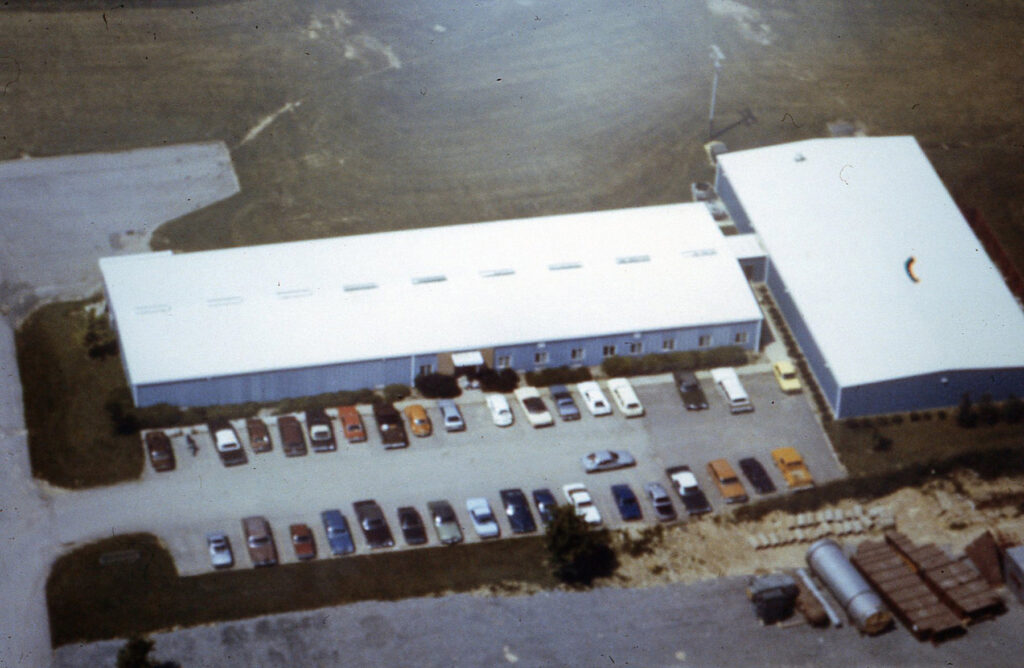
256,541
353,427
321,432
534,405
302,538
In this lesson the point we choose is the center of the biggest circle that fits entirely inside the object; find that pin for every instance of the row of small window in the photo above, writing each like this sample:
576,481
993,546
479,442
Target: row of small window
610,350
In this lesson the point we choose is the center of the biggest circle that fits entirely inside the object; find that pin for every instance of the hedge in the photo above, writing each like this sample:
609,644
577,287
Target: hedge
686,360
558,376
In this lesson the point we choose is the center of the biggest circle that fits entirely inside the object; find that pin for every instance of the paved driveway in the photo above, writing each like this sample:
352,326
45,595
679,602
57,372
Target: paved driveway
202,495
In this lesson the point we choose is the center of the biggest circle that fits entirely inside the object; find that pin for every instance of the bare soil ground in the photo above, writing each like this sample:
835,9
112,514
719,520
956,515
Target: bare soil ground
345,118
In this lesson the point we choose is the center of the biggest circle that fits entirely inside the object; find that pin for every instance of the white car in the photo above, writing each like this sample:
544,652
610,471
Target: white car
594,398
577,495
483,519
501,412
536,411
625,397
220,550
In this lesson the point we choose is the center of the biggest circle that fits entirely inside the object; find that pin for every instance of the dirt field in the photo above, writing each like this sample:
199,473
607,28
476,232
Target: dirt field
345,118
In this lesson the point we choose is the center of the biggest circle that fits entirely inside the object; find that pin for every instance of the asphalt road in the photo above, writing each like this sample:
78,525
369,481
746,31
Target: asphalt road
705,624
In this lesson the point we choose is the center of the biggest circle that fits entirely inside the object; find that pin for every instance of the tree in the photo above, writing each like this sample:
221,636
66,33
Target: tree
988,412
577,552
438,386
965,416
1013,410
135,654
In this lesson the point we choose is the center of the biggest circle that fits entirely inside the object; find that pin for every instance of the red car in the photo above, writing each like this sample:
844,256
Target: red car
161,455
302,541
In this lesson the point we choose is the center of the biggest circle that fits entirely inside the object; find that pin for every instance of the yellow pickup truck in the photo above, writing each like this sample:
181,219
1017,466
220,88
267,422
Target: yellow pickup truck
793,468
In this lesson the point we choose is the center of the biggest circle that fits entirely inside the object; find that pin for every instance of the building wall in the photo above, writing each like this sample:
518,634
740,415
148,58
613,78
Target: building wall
815,359
732,202
935,390
286,383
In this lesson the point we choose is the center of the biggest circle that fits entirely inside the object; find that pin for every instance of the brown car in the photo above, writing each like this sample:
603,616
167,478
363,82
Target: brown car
302,541
727,481
161,455
351,424
259,540
419,422
259,435
293,441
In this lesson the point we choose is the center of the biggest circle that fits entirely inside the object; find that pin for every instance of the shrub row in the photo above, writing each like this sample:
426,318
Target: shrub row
686,360
128,419
558,376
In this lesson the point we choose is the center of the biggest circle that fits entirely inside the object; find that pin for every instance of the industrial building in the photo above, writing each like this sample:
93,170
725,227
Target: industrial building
885,287
295,319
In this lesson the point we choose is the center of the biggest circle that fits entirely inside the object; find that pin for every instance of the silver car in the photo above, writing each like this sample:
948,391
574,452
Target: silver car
661,501
607,460
447,527
220,550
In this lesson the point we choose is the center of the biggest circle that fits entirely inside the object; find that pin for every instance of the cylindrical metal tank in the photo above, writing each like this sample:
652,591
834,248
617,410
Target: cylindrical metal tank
862,604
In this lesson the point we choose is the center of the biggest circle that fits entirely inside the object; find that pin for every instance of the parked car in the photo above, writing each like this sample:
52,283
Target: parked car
757,476
259,435
419,421
661,501
259,540
484,523
536,412
579,498
339,536
546,504
501,412
389,424
517,510
220,550
793,468
302,541
564,403
607,460
727,481
321,433
690,391
351,424
161,454
627,503
293,441
372,522
445,524
411,523
225,440
785,376
451,415
685,482
594,398
729,385
625,397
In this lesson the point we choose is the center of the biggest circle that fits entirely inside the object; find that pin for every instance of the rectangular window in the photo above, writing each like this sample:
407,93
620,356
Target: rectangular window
426,369
608,351
668,344
635,347
704,341
742,337
577,354
504,361
540,357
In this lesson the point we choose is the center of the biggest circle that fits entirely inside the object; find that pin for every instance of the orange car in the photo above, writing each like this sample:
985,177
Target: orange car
418,420
727,481
351,424
793,468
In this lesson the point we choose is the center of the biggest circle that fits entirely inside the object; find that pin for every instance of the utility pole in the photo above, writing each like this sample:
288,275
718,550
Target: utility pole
717,57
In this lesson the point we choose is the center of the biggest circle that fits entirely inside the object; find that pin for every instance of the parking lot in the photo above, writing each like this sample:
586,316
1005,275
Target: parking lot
479,461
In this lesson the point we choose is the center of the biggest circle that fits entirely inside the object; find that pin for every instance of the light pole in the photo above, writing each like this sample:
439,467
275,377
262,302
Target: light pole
717,56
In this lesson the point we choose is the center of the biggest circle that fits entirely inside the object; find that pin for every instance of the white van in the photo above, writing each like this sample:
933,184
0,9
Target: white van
728,383
625,397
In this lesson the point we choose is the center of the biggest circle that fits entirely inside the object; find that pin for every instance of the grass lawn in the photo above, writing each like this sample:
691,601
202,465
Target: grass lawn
138,590
71,438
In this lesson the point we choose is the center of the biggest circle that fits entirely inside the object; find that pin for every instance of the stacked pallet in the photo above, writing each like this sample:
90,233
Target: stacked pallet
906,594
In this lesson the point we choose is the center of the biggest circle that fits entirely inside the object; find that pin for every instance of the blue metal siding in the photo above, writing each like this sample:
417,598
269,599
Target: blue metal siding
929,391
731,200
798,327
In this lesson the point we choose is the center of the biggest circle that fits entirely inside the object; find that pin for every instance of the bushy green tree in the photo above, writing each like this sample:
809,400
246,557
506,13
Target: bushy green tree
577,552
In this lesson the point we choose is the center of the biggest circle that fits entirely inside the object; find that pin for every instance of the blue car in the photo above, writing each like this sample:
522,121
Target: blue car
566,405
625,499
546,504
339,538
517,509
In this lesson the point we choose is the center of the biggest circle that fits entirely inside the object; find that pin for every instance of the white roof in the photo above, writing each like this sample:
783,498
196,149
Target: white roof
456,288
840,219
